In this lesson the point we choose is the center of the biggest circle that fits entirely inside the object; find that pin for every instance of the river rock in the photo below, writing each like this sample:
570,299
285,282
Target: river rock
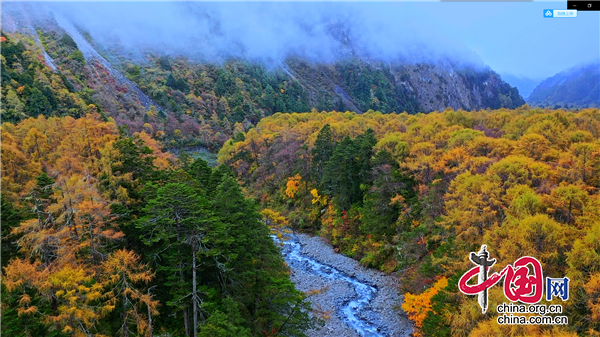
383,311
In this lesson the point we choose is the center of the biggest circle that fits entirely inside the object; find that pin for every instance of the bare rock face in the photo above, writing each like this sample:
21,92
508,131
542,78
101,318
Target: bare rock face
359,85
440,86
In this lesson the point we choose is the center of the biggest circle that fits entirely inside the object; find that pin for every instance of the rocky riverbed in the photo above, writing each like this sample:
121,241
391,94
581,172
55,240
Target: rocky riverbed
357,301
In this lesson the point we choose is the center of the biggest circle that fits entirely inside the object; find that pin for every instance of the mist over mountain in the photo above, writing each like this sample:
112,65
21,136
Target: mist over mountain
163,163
268,32
578,87
524,84
186,69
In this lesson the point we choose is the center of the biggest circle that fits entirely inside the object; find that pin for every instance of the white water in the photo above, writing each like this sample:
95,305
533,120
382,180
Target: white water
350,312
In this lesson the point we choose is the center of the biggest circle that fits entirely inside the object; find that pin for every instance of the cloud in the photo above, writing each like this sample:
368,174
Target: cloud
511,37
270,32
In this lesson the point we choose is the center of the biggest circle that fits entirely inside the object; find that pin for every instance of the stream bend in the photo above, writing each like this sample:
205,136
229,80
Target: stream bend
357,305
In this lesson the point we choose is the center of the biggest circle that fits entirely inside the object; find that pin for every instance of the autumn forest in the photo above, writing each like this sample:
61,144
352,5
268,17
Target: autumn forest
414,194
121,218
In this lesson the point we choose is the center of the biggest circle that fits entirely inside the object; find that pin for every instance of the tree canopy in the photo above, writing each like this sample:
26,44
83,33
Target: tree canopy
418,193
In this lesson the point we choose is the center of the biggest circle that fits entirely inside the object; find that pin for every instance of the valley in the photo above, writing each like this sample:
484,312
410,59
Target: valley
290,169
356,301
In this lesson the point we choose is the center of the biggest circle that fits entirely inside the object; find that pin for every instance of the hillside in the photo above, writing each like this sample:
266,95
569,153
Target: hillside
54,69
104,234
252,91
46,73
356,162
574,88
417,193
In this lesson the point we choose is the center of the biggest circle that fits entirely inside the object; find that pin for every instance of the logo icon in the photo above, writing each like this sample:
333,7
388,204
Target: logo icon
548,13
557,287
518,284
481,259
523,282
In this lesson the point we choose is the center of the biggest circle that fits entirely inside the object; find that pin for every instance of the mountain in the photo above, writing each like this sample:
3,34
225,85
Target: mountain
54,68
360,85
575,87
524,84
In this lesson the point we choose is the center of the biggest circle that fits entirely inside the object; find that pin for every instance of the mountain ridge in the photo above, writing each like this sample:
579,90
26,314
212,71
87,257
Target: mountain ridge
577,87
182,101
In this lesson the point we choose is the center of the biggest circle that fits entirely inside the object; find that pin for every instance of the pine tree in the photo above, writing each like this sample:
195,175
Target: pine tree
215,179
257,277
135,157
171,82
200,171
321,153
391,194
249,237
10,218
38,103
177,224
347,173
339,176
184,160
364,152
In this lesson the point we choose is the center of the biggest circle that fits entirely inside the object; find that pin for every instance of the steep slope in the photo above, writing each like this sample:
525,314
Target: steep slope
44,71
101,64
577,87
359,85
189,102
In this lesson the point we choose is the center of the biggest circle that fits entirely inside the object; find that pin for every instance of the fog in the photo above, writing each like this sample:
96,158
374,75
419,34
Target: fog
321,32
470,34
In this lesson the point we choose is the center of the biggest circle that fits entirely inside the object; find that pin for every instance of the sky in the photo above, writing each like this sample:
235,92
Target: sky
513,38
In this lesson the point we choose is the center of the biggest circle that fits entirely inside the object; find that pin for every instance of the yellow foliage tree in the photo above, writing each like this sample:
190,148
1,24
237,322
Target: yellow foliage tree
36,144
417,306
293,185
320,199
473,204
122,272
76,294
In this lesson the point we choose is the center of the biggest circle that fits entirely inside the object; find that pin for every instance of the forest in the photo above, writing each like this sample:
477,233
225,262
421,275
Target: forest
202,103
104,234
414,194
111,228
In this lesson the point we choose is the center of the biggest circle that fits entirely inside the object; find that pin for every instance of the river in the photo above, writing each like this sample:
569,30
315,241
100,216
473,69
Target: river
356,301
